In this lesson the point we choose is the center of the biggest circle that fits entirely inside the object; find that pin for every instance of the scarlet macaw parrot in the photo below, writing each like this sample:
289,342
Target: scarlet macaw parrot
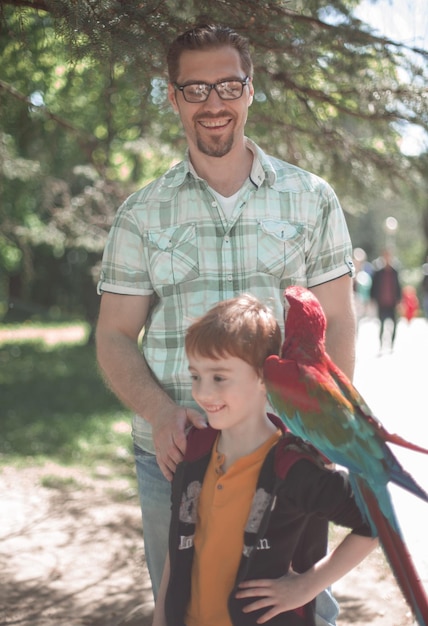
318,403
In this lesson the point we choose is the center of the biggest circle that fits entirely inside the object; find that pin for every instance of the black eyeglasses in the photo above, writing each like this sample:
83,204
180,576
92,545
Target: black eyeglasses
226,89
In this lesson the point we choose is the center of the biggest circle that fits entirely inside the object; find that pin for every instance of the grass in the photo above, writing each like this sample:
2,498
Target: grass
55,406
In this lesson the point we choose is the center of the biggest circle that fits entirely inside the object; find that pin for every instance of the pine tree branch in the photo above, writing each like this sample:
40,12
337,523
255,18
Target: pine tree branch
87,141
38,5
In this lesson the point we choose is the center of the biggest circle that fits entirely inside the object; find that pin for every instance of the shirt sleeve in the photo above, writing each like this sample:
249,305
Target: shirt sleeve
329,255
124,269
327,493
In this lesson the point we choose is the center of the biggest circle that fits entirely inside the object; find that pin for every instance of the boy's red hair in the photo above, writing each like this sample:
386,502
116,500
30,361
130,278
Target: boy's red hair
242,327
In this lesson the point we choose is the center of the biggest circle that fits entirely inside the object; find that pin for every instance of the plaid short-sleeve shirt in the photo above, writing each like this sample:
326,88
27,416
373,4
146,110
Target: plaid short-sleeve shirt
171,240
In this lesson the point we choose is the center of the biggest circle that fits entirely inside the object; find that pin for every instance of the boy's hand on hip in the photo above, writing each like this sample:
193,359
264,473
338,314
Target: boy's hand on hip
277,595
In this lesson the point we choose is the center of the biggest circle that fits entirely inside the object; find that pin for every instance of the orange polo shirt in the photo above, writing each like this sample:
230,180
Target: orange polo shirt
223,510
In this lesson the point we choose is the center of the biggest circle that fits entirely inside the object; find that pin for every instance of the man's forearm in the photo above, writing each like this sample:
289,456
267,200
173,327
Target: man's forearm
337,301
128,375
340,342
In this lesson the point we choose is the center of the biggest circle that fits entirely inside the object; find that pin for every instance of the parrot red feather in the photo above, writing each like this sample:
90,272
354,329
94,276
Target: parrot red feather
318,403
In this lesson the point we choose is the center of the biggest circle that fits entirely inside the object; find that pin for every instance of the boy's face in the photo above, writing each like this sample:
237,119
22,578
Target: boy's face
229,391
212,127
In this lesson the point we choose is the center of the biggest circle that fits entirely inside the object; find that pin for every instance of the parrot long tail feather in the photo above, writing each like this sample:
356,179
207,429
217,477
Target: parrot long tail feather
349,392
403,479
400,441
397,555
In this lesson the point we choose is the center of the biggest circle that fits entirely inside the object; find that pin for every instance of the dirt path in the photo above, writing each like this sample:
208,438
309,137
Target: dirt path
70,551
71,555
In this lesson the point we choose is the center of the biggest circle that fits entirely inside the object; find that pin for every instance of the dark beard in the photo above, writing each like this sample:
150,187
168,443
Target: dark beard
217,148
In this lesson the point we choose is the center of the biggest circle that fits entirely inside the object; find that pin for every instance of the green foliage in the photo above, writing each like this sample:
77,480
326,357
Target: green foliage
316,69
55,406
85,120
71,149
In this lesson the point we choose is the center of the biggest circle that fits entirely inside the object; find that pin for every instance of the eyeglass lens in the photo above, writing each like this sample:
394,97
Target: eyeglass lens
199,92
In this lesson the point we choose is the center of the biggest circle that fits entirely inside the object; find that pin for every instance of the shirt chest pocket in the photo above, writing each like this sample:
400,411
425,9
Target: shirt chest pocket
173,254
280,248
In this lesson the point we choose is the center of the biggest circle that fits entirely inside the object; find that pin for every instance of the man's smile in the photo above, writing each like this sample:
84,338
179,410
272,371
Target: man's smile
214,123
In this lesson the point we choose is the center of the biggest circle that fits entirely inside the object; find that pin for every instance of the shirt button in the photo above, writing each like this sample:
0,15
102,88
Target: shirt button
219,487
214,204
226,239
230,278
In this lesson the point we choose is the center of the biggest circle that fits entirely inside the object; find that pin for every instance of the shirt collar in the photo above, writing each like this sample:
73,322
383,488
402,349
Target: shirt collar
262,167
261,170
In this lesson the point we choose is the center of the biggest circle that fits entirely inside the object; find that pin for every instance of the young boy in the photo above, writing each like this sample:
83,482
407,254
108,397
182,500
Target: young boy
246,490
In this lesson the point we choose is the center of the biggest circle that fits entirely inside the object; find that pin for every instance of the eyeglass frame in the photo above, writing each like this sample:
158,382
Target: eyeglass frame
244,82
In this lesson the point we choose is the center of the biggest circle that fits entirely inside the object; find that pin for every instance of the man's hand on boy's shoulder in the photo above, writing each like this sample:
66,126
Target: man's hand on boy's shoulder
169,437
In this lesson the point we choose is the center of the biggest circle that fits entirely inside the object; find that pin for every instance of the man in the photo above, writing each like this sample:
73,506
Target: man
386,292
226,220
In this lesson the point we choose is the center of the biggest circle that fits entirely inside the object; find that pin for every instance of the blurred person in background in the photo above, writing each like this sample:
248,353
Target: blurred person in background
409,303
386,292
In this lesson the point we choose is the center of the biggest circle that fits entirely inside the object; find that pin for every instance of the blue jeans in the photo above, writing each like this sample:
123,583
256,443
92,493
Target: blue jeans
327,609
155,498
154,492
